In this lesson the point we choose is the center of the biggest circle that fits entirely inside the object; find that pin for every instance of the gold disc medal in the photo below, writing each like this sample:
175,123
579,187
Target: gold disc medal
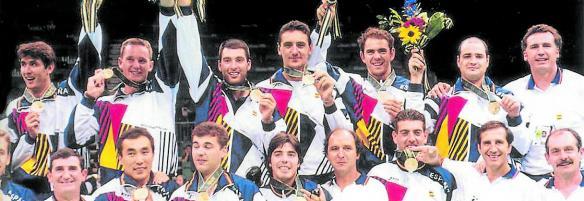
37,106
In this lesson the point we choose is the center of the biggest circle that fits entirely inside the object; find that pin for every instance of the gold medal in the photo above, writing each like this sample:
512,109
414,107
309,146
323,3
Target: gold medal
494,107
411,164
140,194
383,95
203,196
308,79
255,95
107,73
37,106
299,198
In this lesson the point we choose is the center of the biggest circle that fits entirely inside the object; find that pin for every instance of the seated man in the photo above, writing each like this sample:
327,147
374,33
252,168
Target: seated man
564,153
9,189
418,182
136,152
501,180
211,181
66,175
283,165
342,149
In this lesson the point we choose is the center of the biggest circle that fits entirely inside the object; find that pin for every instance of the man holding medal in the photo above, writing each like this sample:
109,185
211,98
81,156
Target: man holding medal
404,176
501,181
474,100
229,99
283,163
66,175
10,190
211,181
141,100
136,153
342,148
39,117
547,83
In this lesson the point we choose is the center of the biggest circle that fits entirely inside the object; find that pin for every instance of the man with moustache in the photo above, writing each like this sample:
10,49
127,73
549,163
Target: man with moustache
564,153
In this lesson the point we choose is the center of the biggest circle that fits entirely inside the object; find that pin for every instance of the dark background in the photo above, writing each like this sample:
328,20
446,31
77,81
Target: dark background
501,23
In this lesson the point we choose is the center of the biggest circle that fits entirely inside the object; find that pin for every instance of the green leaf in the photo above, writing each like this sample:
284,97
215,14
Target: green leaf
435,24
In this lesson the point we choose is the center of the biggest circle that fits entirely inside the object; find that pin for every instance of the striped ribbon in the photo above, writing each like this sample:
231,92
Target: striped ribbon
89,10
38,164
291,120
327,22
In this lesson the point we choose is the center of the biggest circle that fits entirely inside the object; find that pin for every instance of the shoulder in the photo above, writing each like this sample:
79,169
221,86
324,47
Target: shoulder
243,184
401,83
63,89
19,191
518,83
309,185
106,188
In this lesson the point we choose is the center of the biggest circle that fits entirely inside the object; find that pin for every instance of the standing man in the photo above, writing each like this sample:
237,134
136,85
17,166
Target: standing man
140,101
422,182
225,99
373,102
211,181
501,181
66,175
547,83
343,150
38,120
283,163
456,117
9,189
564,153
305,100
136,153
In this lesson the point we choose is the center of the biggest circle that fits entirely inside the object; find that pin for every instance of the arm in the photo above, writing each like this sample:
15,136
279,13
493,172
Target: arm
83,124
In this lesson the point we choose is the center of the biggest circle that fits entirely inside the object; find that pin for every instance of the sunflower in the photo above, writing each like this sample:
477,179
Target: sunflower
409,35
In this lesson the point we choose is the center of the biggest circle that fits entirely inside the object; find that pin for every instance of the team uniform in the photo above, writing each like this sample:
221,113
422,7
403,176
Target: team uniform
426,183
152,107
274,191
230,187
30,157
550,193
214,102
15,192
363,187
514,185
559,106
83,198
456,118
121,189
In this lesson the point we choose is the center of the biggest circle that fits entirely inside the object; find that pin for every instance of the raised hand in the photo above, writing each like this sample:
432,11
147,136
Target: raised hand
267,106
32,121
417,66
95,85
324,85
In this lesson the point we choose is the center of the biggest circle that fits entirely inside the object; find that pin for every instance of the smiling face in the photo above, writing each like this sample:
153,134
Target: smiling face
284,163
473,60
207,153
135,62
377,56
35,74
136,157
234,65
409,133
541,52
494,147
66,175
563,153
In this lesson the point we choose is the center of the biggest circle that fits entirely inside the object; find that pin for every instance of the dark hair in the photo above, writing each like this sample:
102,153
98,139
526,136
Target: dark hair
377,33
234,44
542,28
409,114
134,133
37,50
472,37
65,153
211,129
136,41
562,130
494,125
280,140
358,145
294,25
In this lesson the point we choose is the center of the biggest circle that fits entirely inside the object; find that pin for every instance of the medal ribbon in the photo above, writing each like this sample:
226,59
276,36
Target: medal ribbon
326,23
204,186
126,81
89,14
485,93
281,187
245,87
383,84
